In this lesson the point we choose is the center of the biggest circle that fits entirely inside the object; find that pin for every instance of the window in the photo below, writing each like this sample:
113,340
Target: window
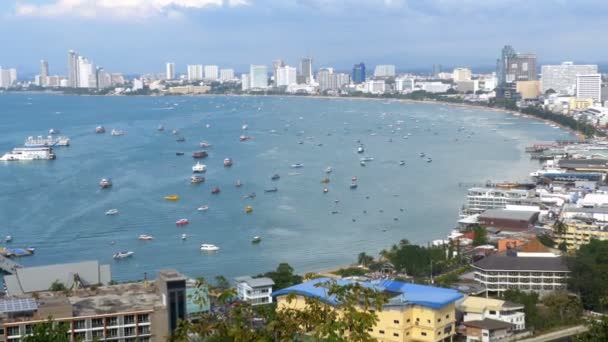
143,318
80,324
110,321
423,333
370,330
97,333
407,333
80,336
112,332
438,333
428,321
97,322
129,331
130,319
29,329
408,320
381,332
438,320
492,312
395,334
396,321
143,330
12,331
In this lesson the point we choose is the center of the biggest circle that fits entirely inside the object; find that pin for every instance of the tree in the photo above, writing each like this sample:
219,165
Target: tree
546,240
562,307
57,286
364,260
480,236
589,274
598,331
559,227
49,332
283,276
221,282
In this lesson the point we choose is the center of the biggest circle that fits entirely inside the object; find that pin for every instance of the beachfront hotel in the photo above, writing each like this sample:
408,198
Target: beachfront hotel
413,312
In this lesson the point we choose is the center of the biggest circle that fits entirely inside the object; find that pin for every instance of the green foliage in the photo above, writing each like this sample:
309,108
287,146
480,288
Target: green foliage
529,301
416,260
351,271
598,331
546,240
556,309
364,260
221,282
57,286
283,277
49,332
589,274
481,235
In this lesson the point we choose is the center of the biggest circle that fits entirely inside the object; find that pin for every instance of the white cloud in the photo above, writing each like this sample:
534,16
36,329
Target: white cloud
119,8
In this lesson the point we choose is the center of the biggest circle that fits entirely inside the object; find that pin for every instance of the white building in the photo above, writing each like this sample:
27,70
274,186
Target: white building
86,73
226,74
170,71
258,76
245,82
138,84
385,70
562,78
195,72
461,74
375,86
8,77
482,199
403,84
434,87
212,72
480,308
286,75
589,87
255,291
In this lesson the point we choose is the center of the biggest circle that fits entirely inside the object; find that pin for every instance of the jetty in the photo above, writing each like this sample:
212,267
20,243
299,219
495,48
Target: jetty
7,265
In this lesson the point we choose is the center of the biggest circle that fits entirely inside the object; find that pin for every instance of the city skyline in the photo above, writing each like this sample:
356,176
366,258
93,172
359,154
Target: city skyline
335,33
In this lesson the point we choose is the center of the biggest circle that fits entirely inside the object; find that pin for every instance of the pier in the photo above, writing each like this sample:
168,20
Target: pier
7,265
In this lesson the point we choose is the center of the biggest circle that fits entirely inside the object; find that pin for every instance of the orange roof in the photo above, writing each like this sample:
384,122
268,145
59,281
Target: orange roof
534,246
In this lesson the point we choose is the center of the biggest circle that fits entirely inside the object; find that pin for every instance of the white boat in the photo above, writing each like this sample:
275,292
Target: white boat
184,236
49,141
209,247
402,163
297,166
105,183
100,130
199,168
362,163
145,237
540,173
360,149
203,208
112,212
122,255
8,238
227,162
29,153
366,159
244,127
116,132
53,131
328,169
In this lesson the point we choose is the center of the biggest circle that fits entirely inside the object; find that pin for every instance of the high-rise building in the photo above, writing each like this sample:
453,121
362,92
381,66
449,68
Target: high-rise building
386,70
359,73
170,71
461,74
562,78
86,73
501,64
195,72
44,73
258,76
324,77
211,72
245,82
5,78
521,67
589,87
226,74
306,69
276,64
286,76
436,70
403,84
73,72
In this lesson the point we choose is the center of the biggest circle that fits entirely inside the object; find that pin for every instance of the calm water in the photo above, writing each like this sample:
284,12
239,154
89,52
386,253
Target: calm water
57,206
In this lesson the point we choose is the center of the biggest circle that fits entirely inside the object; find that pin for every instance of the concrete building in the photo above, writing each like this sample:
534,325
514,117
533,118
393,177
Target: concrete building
325,79
508,220
436,70
358,74
521,67
170,71
212,72
285,76
226,74
404,85
528,89
465,87
258,76
375,86
386,70
245,82
501,64
73,72
434,87
482,199
413,312
562,78
189,90
195,72
86,73
306,70
461,74
255,291
488,330
276,64
8,77
589,87
44,73
480,308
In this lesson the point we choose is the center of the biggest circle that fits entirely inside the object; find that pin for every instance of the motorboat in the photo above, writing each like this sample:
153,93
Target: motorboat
325,180
244,138
422,154
197,179
248,209
203,208
325,190
184,236
238,183
429,160
227,162
160,128
216,190
116,132
256,239
353,178
328,169
362,163
100,130
145,237
179,153
401,162
199,168
209,247
105,183
200,154
367,159
31,249
53,131
172,197
360,149
275,176
180,139
112,212
123,255
8,238
204,144
249,196
182,222
353,185
274,189
297,166
175,132
244,127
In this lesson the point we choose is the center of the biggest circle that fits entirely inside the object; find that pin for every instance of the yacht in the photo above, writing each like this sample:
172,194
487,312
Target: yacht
116,132
325,190
203,208
244,138
256,239
238,183
8,238
122,255
199,168
100,130
204,144
29,153
145,237
112,212
328,169
360,149
196,179
209,247
105,183
227,162
182,222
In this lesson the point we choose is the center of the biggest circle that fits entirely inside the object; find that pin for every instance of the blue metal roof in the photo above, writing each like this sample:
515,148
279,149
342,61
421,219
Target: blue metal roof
408,294
18,305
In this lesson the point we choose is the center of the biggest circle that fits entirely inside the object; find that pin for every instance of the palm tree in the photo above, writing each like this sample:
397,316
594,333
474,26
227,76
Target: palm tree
559,227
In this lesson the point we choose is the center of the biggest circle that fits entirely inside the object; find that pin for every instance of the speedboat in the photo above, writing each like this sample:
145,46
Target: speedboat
172,198
100,130
360,149
328,169
248,209
429,160
297,166
204,144
238,183
216,190
251,195
362,163
353,185
182,222
196,179
256,239
244,138
116,132
8,238
422,154
199,168
53,131
325,190
180,139
112,212
203,208
105,183
184,236
325,180
122,255
244,127
199,154
179,153
145,237
366,159
401,162
175,132
227,162
160,128
275,176
209,247
353,178
274,189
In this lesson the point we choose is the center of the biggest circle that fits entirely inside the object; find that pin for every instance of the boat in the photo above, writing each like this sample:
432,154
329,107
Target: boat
112,212
145,237
160,128
353,178
353,185
105,183
244,138
199,168
204,144
256,239
360,149
29,153
422,154
362,163
122,255
32,250
227,162
274,189
328,169
297,166
367,159
238,183
249,196
180,139
184,236
172,197
100,130
197,179
248,209
429,160
116,132
401,162
200,154
209,247
275,176
325,180
216,190
8,238
54,131
179,153
244,127
182,222
325,190
203,208
175,132
49,141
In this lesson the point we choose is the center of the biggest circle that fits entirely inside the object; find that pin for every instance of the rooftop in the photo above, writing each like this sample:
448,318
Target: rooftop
255,282
480,304
488,324
515,263
534,246
504,214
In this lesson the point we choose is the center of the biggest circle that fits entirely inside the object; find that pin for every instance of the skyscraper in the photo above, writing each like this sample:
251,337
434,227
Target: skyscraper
521,67
276,64
170,71
286,75
359,73
258,76
306,69
589,87
44,73
226,74
501,64
436,70
387,70
195,72
212,72
73,72
86,73
562,78
461,74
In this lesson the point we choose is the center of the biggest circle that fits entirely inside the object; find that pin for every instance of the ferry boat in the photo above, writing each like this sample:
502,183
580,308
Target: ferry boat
182,222
112,212
200,154
49,141
199,168
29,153
100,129
123,255
209,247
197,179
116,132
145,237
227,162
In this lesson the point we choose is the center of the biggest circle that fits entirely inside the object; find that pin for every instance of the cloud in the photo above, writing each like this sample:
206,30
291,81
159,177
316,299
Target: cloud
119,8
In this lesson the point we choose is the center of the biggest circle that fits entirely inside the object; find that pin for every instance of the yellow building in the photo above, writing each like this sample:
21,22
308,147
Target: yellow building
413,312
579,104
528,89
461,74
189,90
576,233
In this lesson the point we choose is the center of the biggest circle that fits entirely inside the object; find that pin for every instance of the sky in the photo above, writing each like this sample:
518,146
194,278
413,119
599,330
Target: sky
140,36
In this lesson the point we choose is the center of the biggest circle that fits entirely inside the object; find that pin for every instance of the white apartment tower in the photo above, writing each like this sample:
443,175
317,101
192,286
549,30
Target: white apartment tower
170,71
386,70
562,78
195,72
73,69
86,73
285,76
258,76
461,74
44,73
211,72
245,82
226,74
589,87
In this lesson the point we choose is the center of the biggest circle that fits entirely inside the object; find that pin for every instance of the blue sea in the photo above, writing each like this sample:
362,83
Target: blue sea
58,207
